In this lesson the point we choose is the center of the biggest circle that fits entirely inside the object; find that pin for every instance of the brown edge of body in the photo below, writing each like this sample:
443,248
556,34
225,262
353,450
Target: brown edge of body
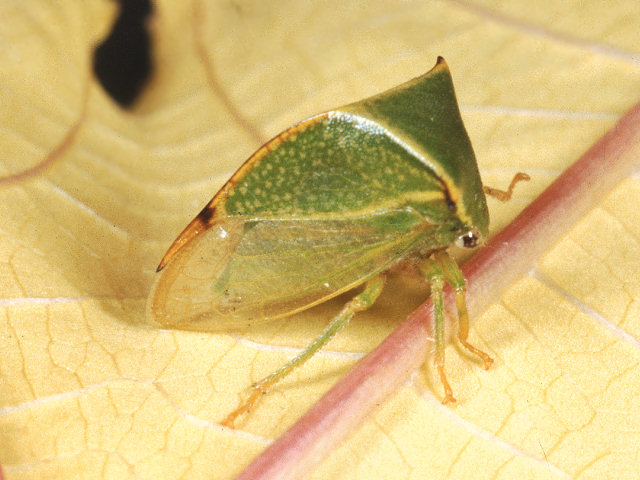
215,208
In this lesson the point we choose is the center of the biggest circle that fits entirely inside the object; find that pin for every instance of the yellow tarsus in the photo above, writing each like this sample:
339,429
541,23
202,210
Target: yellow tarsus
245,407
463,328
448,393
502,195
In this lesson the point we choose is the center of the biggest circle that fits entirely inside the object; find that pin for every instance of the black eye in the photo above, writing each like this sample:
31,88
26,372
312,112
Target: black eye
468,240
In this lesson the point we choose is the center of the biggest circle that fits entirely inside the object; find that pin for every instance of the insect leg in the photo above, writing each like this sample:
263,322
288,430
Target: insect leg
505,196
455,278
432,271
360,302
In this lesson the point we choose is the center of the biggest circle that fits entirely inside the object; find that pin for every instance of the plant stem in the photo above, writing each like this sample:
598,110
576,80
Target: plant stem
506,257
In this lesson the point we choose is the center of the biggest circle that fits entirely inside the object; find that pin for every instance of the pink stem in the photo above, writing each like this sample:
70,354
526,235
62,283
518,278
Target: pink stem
506,257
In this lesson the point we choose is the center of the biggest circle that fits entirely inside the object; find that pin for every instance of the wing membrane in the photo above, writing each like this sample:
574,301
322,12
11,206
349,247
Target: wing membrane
242,271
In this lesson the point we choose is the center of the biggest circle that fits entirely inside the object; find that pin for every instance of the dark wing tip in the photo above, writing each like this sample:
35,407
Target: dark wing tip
202,221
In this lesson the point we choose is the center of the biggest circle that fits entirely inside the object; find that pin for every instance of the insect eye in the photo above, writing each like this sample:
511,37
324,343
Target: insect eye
471,239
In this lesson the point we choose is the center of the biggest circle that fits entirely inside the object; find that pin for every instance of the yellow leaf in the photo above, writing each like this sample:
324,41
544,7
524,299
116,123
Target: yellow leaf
93,195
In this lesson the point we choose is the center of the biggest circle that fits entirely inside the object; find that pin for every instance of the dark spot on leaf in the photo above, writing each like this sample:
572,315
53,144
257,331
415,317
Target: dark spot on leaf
122,63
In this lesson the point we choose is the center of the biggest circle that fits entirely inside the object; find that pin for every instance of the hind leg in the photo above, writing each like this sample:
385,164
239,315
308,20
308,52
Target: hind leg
360,302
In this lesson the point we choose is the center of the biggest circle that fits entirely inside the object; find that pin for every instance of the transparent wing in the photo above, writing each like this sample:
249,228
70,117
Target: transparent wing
241,271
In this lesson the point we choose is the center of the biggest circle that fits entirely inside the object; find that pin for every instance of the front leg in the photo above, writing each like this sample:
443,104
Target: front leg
436,270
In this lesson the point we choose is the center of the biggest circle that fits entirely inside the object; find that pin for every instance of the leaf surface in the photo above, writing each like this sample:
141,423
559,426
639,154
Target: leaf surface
93,195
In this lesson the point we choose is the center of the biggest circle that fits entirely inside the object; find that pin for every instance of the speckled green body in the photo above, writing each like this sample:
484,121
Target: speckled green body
423,115
324,207
407,140
337,173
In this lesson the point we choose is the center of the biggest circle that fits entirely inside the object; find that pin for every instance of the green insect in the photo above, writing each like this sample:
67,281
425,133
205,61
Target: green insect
329,205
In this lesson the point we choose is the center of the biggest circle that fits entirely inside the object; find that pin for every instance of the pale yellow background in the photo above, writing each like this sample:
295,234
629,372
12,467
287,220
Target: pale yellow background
88,391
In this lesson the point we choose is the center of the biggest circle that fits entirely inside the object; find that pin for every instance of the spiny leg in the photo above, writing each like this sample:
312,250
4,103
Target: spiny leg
502,195
436,270
455,278
434,275
360,302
